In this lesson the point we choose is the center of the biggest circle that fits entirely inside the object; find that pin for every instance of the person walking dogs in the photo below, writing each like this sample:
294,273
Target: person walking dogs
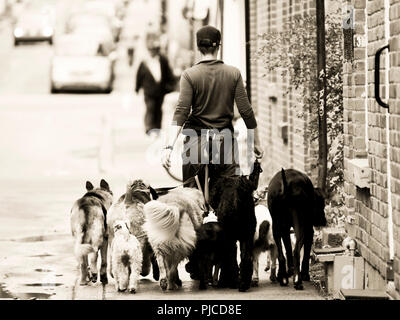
204,114
155,76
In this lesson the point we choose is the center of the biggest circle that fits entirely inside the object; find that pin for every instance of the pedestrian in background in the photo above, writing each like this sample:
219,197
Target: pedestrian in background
156,78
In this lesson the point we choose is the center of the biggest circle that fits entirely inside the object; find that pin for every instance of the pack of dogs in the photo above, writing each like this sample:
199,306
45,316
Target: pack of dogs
147,231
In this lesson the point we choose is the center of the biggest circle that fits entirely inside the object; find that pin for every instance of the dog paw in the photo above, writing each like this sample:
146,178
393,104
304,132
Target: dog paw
103,279
163,284
132,290
83,282
267,268
254,283
297,282
299,286
272,277
283,280
121,290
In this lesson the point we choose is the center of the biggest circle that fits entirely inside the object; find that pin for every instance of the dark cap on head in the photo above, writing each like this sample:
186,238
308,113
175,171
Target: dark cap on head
208,36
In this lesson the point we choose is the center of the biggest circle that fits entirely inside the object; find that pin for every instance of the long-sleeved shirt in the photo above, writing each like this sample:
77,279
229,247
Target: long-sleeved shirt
153,87
208,91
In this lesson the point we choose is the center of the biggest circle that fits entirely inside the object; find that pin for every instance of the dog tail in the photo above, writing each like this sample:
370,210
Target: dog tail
82,249
162,217
284,181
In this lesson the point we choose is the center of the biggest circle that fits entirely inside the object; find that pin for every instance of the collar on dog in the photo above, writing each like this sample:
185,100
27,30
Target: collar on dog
211,217
94,194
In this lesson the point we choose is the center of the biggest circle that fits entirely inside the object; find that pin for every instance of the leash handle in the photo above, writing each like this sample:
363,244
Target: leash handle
206,191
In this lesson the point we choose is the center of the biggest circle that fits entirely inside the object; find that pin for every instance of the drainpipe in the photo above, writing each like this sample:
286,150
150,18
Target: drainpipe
389,273
387,67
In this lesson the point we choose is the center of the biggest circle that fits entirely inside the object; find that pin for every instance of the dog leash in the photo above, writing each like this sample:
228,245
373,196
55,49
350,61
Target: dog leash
163,190
206,192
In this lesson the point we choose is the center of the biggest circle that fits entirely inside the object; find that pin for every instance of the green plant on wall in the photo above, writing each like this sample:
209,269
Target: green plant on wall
292,52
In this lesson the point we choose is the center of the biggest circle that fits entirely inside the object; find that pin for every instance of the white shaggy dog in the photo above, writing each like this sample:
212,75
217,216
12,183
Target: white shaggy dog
126,258
172,222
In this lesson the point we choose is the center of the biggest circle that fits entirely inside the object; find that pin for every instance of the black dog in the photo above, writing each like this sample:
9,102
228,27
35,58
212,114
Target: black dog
232,200
205,255
294,202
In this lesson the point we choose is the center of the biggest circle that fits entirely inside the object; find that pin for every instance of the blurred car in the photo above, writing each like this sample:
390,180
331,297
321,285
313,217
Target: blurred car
33,27
80,65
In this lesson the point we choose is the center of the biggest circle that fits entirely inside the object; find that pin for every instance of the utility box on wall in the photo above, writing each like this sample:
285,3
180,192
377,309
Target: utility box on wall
348,273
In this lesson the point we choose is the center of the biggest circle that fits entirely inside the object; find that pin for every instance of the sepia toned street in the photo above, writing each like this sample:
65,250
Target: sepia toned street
51,144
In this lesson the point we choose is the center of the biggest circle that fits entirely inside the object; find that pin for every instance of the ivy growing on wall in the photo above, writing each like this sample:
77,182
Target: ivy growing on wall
292,52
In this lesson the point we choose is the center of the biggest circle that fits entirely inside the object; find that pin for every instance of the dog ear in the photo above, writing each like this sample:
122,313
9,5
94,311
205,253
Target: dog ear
89,186
153,193
104,184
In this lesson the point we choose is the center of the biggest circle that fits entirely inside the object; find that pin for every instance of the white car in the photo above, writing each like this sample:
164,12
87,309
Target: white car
78,65
33,27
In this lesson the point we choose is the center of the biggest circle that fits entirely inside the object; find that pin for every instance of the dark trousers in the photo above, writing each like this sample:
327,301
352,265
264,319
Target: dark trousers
221,155
153,115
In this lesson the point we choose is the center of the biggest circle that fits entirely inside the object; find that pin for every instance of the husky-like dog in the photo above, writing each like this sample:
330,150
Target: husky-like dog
172,222
88,226
130,207
126,258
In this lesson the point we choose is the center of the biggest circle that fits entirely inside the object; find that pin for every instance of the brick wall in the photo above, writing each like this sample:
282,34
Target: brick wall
394,102
274,108
365,138
365,142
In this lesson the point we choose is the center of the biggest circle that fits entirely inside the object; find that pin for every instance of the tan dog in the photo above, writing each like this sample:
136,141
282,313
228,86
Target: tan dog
171,225
126,258
88,225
